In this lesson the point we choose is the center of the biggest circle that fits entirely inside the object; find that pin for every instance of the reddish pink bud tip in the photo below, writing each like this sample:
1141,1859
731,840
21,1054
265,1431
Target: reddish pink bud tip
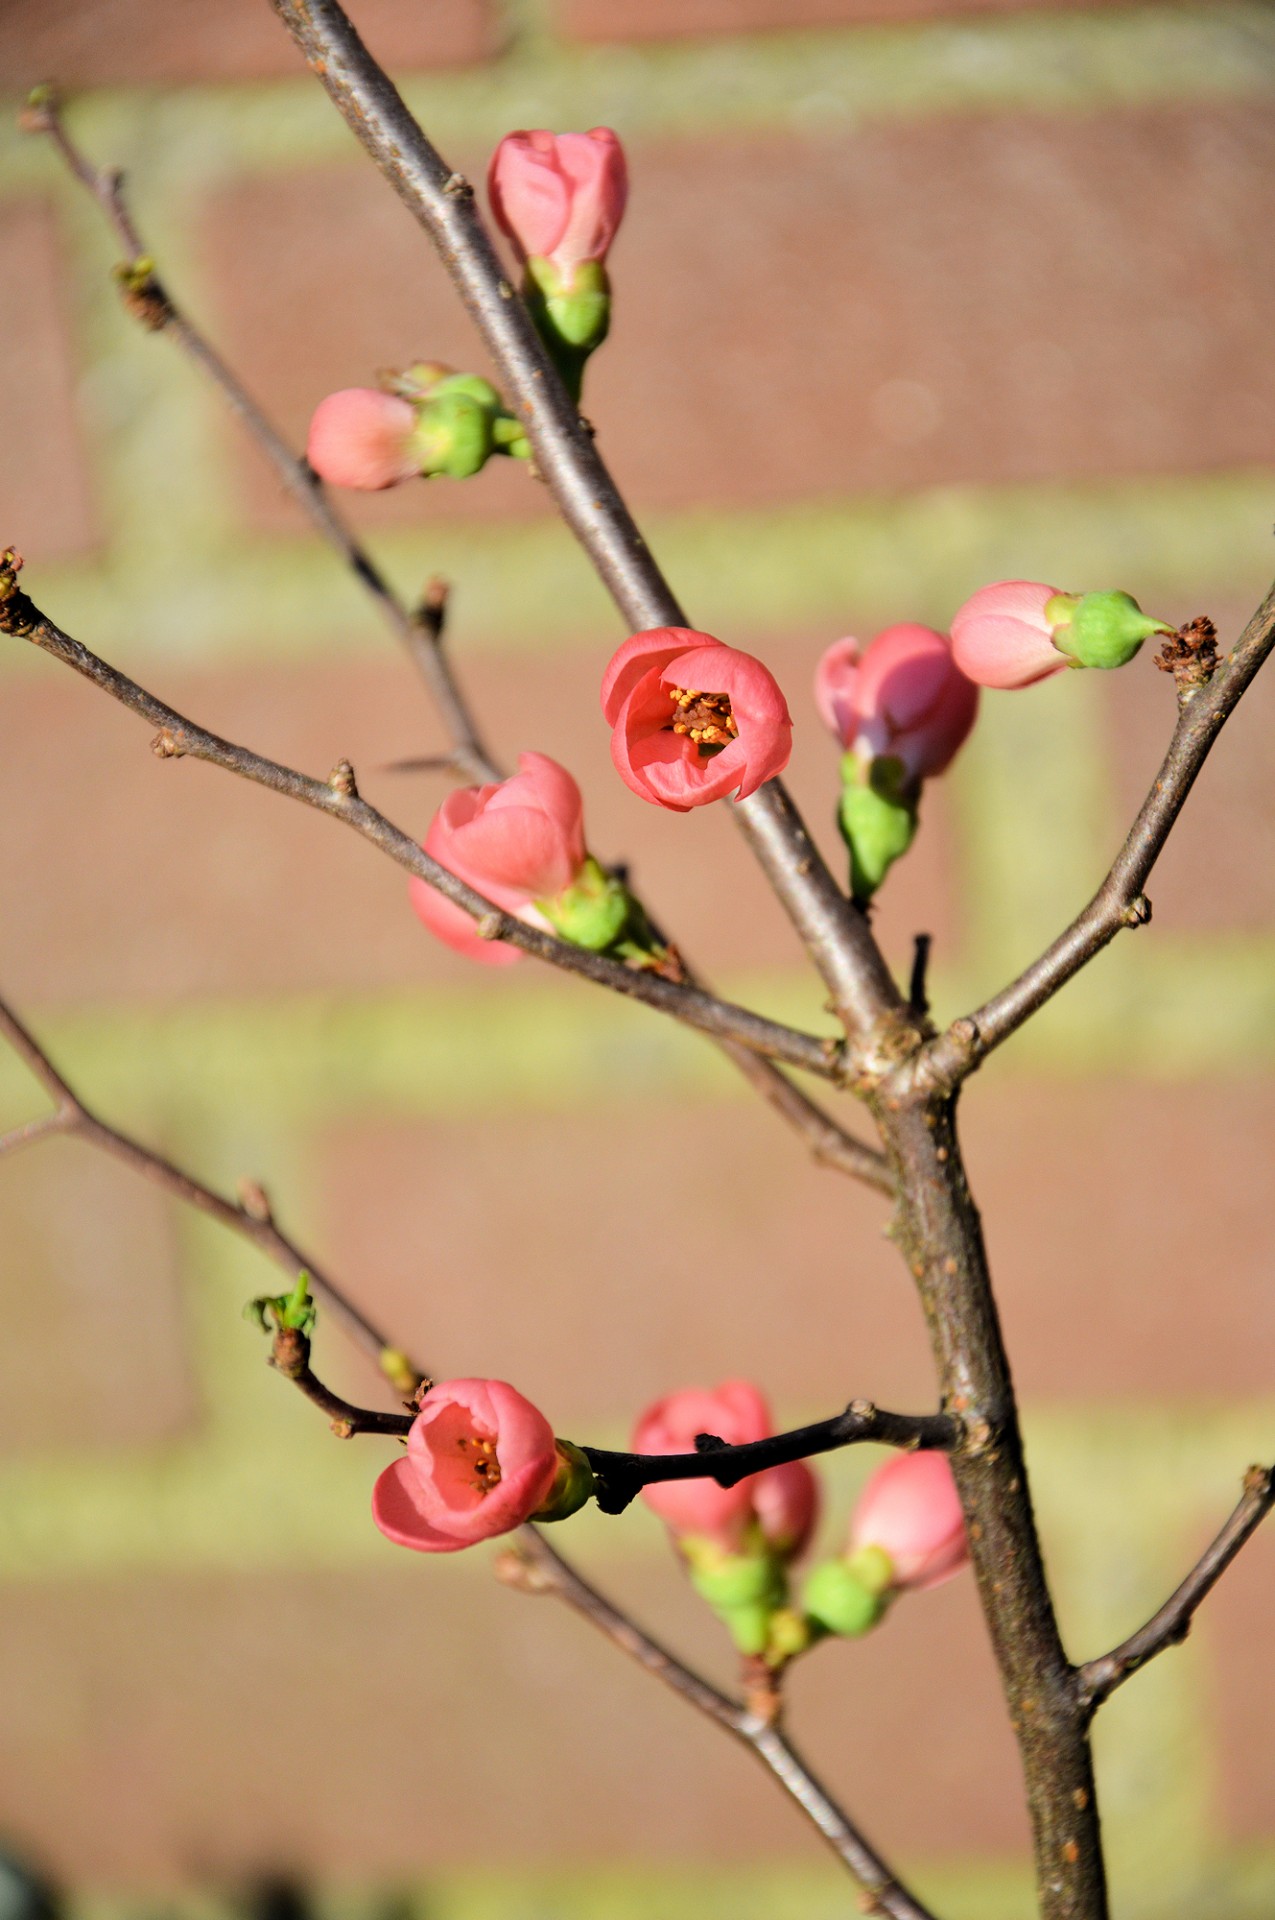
782,1500
361,438
903,696
480,1460
515,843
559,197
1001,637
692,720
911,1510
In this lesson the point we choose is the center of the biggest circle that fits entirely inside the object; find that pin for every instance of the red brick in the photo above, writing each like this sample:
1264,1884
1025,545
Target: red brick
144,42
402,1723
605,20
1000,299
1091,1220
44,498
1218,869
193,882
93,1353
1235,1626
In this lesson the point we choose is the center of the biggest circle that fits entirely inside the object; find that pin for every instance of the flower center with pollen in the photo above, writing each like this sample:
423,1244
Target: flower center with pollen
480,1457
703,718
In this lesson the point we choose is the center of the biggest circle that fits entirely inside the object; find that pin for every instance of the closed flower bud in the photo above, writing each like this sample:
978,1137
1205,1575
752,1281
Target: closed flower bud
903,697
1016,632
480,1460
363,439
559,197
692,720
909,1513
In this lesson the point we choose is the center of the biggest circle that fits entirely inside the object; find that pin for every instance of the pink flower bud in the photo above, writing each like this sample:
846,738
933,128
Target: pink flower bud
692,720
362,438
902,696
783,1500
480,1459
1002,636
559,197
910,1510
514,843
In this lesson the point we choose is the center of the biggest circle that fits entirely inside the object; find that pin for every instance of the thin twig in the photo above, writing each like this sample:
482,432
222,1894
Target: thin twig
151,300
1119,901
835,932
338,798
549,1573
256,1224
1098,1679
423,631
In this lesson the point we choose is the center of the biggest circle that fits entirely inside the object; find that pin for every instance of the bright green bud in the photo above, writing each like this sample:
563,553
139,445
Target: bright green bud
453,435
1100,629
573,1484
877,820
572,316
789,1636
838,1601
595,910
732,1579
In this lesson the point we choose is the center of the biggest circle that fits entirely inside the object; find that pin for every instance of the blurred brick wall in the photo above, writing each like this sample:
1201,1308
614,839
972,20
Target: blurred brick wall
910,296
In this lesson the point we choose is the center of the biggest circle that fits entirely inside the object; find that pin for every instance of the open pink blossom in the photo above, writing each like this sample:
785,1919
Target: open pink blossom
480,1459
1002,637
910,1509
692,720
783,1499
902,696
515,843
559,196
362,438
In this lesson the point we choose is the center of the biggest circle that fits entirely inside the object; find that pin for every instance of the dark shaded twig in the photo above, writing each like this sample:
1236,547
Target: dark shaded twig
836,934
621,1476
918,999
422,631
1097,1679
254,1221
1119,901
338,798
537,1567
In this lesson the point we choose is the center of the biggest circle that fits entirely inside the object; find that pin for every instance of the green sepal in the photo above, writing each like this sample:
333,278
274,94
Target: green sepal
453,435
573,1484
1103,629
873,1568
837,1600
597,911
745,1589
877,817
572,317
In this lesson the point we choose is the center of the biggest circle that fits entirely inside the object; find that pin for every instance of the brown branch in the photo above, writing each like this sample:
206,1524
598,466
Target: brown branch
1098,1679
835,932
251,1218
338,797
538,1568
423,631
290,1354
152,303
1119,902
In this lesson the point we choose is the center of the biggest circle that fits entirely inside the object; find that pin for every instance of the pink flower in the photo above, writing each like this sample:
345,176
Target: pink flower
903,696
559,197
1002,636
783,1499
362,438
514,843
911,1511
692,720
480,1459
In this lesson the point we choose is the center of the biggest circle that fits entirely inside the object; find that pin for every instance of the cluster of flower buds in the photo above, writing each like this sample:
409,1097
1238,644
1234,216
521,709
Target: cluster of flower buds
736,1542
560,198
521,844
426,421
900,707
1016,632
480,1460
